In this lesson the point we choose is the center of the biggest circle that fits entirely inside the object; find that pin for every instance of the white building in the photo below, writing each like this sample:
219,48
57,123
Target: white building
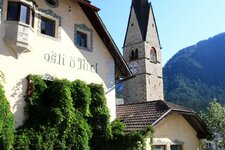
61,38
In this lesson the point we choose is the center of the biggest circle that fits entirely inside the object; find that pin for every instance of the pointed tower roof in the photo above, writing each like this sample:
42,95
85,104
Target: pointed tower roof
142,8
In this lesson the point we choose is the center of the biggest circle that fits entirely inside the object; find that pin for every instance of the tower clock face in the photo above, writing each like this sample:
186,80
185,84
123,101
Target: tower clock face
133,67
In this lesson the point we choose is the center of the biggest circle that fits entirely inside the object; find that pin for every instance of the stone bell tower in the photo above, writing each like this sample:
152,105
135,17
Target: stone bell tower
143,55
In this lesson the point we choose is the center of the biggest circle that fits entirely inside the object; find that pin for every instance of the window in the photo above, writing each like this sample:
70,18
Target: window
153,55
159,147
176,147
81,39
20,12
47,26
134,54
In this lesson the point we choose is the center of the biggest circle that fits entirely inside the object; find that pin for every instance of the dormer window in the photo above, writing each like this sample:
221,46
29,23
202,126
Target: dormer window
20,12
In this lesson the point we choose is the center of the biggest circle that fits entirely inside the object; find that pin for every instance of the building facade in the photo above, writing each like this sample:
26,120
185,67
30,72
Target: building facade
57,38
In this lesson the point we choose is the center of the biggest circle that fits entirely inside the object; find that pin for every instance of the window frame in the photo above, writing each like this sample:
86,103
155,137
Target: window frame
164,146
177,145
48,20
82,28
30,12
83,36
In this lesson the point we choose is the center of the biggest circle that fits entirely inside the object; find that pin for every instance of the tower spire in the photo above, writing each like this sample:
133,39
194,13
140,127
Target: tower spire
141,8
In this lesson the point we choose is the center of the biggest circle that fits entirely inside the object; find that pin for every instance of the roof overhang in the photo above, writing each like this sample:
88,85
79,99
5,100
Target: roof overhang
94,18
193,119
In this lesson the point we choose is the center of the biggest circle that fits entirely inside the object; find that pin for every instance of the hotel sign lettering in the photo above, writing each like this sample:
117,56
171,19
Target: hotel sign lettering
71,61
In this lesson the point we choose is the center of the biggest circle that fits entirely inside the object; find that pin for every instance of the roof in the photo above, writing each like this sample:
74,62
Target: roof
141,8
92,14
139,116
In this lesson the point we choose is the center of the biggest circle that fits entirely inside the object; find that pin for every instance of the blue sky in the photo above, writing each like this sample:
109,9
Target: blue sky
181,23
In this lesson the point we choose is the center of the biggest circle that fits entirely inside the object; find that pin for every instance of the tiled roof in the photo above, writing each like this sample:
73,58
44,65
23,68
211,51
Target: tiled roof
176,107
138,116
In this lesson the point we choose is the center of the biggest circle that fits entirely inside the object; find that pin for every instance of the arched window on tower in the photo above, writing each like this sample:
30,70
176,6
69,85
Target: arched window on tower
132,55
136,54
153,55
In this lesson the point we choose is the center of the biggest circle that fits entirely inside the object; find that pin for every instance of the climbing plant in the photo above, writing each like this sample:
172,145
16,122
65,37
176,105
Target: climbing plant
71,115
58,125
100,122
6,121
135,140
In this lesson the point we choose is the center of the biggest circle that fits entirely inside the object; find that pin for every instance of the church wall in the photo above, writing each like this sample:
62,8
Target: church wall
175,130
135,90
57,56
134,32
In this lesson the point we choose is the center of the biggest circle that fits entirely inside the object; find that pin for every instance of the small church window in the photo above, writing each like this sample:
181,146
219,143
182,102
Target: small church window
153,55
136,53
132,55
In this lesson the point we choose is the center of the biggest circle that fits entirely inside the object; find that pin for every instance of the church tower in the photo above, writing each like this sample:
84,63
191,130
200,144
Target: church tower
142,53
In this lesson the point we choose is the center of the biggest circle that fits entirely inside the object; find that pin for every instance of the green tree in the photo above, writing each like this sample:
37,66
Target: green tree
214,117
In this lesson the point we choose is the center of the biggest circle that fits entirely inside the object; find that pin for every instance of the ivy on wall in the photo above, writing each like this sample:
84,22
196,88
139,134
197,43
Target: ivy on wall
6,121
66,115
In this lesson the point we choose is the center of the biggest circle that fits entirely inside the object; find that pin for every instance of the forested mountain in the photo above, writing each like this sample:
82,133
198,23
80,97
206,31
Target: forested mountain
196,75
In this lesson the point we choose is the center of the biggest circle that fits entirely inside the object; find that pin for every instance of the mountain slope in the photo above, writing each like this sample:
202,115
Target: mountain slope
196,74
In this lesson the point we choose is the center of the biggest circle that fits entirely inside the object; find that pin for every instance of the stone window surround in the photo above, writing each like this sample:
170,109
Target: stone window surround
86,30
48,13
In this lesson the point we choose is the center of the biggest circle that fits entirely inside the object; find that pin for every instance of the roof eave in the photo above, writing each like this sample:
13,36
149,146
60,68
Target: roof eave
94,8
202,130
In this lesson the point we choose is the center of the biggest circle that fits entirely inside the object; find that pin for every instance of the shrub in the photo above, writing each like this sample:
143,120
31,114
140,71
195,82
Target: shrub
6,122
